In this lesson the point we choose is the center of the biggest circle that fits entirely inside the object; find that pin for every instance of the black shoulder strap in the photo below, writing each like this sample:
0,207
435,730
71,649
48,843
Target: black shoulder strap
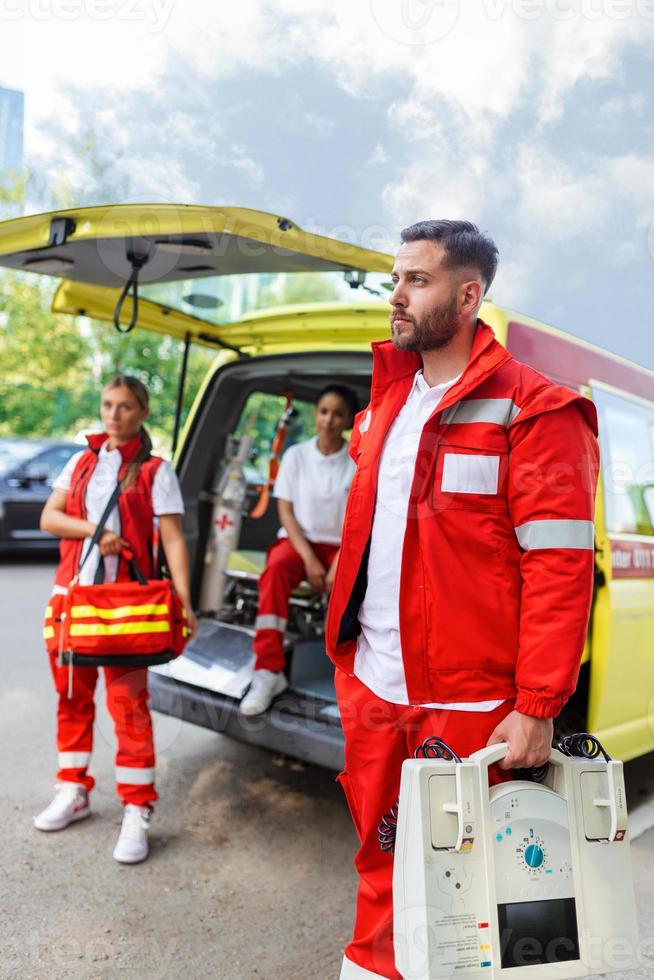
97,534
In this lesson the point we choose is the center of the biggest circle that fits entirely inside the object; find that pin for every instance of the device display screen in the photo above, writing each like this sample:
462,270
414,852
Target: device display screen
538,932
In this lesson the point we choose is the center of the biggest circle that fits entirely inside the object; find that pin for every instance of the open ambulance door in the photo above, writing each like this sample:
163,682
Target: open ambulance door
106,256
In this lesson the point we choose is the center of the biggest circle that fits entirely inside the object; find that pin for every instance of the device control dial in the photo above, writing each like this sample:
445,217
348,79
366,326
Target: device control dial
534,856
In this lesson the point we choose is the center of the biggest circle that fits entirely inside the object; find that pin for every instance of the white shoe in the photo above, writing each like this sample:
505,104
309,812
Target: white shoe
265,687
71,803
133,845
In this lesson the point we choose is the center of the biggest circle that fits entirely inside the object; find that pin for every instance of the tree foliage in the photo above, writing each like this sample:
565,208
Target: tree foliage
53,366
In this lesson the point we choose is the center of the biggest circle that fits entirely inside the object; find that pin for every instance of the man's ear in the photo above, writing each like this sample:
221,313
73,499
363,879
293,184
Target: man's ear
470,296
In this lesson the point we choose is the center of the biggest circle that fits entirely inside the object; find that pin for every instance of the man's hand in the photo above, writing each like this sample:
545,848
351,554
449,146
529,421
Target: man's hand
315,573
529,740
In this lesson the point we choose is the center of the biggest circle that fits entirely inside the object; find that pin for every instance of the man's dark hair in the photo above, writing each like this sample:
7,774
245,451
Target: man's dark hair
463,242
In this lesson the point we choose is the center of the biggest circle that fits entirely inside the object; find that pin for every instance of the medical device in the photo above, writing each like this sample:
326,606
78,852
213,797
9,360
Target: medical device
522,879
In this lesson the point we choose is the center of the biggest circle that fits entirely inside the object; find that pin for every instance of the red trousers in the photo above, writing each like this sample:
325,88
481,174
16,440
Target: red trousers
283,572
379,736
127,701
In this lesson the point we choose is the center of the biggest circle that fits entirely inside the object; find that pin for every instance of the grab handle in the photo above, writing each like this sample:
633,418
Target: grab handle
491,754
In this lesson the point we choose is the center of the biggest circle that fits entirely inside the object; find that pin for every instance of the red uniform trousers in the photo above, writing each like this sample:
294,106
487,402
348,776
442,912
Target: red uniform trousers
379,736
283,572
127,701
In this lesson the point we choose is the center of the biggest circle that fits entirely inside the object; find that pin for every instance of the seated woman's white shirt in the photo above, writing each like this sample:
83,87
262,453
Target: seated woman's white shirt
166,499
317,486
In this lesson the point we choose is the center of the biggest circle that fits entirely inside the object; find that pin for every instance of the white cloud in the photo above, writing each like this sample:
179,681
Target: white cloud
239,159
496,70
378,157
320,126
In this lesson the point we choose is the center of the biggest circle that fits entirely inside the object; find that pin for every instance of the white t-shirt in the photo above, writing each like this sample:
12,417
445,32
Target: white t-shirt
166,499
317,486
378,661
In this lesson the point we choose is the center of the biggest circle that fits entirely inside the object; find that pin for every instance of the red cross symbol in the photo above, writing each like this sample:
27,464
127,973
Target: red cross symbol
224,522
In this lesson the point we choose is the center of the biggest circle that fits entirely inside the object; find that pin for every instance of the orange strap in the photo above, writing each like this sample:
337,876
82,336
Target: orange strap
276,450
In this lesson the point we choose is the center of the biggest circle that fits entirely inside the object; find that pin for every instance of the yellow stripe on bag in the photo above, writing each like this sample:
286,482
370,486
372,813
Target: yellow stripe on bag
48,632
149,609
115,629
48,612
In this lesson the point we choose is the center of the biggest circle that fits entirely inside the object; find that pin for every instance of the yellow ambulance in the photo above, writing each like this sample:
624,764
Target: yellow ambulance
216,277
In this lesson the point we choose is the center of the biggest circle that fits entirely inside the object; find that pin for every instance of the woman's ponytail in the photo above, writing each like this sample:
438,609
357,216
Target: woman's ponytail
134,464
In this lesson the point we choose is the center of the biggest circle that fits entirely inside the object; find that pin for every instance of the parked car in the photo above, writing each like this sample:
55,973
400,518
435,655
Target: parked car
28,468
263,356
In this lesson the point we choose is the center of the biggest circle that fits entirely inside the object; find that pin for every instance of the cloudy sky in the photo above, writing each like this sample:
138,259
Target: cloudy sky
534,118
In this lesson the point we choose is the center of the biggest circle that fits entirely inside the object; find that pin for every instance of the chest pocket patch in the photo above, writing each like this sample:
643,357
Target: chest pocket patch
466,473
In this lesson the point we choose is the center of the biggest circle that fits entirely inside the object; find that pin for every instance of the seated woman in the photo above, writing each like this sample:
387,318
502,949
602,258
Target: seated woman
311,490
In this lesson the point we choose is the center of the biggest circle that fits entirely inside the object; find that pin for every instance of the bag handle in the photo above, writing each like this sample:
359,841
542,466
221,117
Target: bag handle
128,555
97,534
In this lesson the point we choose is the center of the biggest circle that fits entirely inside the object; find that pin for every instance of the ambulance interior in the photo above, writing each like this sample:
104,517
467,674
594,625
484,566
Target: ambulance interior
248,397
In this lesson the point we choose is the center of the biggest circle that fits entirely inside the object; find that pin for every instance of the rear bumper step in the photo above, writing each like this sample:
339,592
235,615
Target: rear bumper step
294,725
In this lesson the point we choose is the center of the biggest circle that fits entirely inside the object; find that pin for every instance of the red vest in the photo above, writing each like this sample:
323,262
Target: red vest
135,506
497,562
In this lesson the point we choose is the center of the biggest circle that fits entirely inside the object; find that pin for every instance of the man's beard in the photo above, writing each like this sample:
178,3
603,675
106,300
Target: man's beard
432,332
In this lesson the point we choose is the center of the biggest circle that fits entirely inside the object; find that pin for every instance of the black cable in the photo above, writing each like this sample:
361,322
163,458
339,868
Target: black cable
581,745
435,748
132,285
431,748
387,830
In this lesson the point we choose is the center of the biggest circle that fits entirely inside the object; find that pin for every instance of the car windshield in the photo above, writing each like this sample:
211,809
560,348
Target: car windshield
13,452
226,299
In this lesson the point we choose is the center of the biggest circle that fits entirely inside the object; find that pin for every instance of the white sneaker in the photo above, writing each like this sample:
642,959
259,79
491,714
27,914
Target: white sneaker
71,803
265,686
133,845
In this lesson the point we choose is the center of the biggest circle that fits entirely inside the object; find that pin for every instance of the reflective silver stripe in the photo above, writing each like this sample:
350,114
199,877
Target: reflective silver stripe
501,411
74,760
556,534
270,622
133,776
364,425
351,971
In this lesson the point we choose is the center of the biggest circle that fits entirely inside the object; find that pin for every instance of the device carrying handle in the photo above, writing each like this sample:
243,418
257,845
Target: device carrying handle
491,754
616,801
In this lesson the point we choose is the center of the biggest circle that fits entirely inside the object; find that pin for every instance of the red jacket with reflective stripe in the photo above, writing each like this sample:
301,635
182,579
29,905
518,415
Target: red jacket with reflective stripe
497,562
134,503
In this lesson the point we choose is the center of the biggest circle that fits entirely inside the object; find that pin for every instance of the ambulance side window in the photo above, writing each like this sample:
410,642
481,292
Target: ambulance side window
259,418
627,449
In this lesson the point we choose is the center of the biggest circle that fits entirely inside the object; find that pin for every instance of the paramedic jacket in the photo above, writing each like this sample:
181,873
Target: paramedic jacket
498,554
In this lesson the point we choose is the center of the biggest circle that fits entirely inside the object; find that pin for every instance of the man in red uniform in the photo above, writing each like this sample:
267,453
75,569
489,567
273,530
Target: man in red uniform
464,581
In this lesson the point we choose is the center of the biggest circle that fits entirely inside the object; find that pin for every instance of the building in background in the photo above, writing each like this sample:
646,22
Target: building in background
12,110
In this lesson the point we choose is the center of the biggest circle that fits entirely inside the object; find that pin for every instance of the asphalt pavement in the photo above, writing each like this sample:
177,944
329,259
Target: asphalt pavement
250,873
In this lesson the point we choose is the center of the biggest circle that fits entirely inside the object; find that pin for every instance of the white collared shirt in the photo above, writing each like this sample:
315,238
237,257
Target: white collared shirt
378,661
166,499
317,486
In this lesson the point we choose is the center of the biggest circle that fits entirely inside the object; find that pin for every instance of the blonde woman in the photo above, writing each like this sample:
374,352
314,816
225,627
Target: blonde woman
149,490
